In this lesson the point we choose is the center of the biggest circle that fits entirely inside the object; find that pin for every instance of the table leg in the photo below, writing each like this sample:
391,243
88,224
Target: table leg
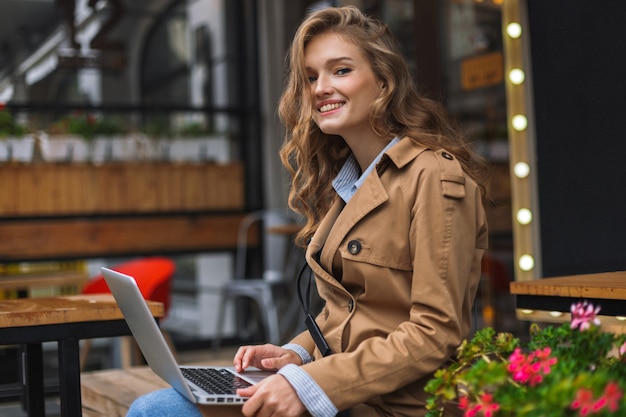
69,378
32,378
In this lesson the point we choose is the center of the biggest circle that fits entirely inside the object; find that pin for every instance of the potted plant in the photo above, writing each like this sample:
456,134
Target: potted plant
16,144
69,138
82,136
110,142
575,369
196,143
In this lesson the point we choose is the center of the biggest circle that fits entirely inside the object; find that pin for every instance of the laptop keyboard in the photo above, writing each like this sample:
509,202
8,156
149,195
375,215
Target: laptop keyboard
215,381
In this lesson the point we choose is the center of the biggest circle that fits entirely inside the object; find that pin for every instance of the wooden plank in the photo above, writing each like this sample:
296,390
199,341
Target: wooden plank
110,393
609,285
26,192
139,187
170,188
73,238
8,205
228,184
144,188
48,188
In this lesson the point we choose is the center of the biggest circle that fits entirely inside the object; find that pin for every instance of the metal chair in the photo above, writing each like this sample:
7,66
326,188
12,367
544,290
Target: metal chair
279,263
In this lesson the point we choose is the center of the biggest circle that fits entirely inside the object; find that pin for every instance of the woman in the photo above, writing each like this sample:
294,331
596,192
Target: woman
394,223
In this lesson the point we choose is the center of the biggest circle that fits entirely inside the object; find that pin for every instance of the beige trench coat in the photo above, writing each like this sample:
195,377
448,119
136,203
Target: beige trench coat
407,248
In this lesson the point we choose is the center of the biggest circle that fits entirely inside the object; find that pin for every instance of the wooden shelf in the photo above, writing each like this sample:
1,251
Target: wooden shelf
75,238
86,189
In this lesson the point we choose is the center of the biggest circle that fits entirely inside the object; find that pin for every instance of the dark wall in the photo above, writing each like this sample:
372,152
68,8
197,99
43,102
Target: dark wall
578,53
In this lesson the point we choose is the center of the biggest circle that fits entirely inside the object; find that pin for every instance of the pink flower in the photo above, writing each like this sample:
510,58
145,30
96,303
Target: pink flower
586,404
583,401
530,369
485,406
545,361
488,406
622,350
584,315
470,409
611,397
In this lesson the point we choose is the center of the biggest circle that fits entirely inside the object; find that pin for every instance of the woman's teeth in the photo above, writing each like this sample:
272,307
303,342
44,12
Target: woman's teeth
329,107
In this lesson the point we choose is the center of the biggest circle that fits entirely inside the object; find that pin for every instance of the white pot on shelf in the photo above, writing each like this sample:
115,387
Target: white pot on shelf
114,148
18,149
204,149
64,148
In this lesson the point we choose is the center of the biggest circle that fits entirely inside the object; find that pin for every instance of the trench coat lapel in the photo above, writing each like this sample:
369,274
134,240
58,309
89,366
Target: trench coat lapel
341,218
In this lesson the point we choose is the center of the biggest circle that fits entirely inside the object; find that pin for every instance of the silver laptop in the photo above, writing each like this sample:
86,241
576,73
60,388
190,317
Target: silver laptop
202,385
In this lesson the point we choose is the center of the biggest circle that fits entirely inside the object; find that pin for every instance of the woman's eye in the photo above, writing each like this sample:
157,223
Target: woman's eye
343,71
312,79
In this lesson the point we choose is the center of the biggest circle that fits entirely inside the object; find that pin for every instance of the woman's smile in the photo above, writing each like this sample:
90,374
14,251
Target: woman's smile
329,107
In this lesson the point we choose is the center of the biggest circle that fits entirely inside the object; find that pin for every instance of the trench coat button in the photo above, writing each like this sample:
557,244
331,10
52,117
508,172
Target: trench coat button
350,306
354,247
447,155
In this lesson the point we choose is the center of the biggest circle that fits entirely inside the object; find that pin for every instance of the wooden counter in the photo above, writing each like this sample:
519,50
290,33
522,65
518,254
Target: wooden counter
553,297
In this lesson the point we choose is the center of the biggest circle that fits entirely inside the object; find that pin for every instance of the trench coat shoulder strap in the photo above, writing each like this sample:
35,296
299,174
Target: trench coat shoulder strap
452,177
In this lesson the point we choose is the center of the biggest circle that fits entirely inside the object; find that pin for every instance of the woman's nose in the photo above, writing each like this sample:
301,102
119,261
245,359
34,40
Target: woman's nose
323,86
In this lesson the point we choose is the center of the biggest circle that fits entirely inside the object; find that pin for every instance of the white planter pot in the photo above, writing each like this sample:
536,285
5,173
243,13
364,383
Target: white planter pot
209,149
115,148
64,148
17,149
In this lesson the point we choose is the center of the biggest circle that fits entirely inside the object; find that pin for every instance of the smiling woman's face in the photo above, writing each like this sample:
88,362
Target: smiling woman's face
343,86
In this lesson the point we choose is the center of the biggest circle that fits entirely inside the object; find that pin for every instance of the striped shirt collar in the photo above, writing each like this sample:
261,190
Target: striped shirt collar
349,179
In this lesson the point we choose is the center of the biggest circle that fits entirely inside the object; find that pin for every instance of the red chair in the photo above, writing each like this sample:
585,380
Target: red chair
154,277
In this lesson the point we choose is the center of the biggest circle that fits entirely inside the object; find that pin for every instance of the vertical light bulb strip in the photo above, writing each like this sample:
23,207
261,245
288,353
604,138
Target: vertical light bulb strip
521,136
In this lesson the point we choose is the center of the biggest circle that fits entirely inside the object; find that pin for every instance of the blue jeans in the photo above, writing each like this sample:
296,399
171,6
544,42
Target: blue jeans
163,403
169,403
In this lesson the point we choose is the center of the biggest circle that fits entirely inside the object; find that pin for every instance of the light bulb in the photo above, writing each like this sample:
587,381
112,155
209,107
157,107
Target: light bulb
517,76
514,30
526,262
524,216
519,122
521,170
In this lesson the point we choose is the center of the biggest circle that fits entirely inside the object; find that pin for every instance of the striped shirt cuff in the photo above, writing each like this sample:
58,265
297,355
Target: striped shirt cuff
311,395
300,351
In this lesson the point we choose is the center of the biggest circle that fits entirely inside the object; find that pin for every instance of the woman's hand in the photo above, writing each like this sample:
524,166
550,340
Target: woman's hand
267,357
274,396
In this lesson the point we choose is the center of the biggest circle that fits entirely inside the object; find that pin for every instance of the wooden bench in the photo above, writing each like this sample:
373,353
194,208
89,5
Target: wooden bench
109,393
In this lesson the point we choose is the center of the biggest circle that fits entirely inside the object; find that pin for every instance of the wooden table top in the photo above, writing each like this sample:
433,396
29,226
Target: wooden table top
65,309
607,285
